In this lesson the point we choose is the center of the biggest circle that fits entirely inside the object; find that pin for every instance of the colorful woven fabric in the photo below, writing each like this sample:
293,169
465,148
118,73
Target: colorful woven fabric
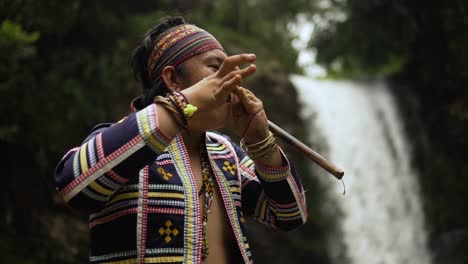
139,190
176,45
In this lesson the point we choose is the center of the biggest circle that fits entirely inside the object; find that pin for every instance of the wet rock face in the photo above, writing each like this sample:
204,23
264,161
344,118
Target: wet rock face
451,247
279,97
436,155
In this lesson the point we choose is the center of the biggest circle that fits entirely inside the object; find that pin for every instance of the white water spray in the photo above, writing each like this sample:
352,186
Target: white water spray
383,221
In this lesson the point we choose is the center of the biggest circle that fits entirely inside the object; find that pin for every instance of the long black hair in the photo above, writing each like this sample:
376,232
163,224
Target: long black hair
141,54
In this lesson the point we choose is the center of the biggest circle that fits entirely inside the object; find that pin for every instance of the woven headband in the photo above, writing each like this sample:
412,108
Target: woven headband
176,45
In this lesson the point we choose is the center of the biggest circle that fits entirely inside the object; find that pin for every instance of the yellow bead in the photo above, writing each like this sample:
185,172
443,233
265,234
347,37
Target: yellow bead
189,110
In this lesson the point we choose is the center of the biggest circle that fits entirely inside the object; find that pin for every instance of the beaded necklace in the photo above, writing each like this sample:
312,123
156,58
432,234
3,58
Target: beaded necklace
208,190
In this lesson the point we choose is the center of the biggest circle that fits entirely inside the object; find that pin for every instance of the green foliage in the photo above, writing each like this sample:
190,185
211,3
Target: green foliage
382,37
254,25
16,47
369,42
14,40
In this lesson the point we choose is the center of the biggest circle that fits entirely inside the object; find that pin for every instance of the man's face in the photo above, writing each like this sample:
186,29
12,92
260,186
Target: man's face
202,65
199,67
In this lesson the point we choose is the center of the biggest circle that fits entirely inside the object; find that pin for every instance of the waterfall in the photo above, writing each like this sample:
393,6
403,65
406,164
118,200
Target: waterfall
382,218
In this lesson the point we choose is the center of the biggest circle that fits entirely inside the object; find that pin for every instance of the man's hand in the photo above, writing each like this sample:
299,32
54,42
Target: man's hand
249,117
214,90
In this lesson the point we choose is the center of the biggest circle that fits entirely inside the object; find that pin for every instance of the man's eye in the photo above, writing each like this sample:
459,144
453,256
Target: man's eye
215,67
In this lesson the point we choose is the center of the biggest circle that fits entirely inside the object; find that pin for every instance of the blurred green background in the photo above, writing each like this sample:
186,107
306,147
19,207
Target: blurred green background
64,68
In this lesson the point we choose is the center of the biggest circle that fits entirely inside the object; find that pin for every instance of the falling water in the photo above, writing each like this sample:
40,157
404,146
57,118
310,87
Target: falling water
382,221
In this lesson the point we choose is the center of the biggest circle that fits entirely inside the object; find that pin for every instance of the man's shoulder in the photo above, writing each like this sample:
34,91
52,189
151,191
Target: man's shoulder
96,129
101,126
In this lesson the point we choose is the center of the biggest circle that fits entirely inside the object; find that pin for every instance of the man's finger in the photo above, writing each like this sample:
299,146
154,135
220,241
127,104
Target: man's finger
248,71
229,86
231,62
244,73
237,107
248,99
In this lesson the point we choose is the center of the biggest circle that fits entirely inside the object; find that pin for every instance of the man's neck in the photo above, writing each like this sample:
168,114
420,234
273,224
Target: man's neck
192,142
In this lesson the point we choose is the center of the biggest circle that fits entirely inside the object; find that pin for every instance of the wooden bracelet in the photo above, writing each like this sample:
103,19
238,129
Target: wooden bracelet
187,109
178,105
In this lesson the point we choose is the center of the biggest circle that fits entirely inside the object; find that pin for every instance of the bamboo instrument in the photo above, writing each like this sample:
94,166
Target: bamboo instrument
310,153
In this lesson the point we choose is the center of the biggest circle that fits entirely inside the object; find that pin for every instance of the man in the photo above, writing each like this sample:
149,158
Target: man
158,187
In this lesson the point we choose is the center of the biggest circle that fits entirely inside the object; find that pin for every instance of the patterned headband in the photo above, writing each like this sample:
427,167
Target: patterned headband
176,45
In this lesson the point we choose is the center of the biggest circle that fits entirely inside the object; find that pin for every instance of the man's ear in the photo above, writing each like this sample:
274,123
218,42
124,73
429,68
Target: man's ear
169,77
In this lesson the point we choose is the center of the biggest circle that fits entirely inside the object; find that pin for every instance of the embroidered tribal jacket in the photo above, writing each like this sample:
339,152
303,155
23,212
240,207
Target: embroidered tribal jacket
137,185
